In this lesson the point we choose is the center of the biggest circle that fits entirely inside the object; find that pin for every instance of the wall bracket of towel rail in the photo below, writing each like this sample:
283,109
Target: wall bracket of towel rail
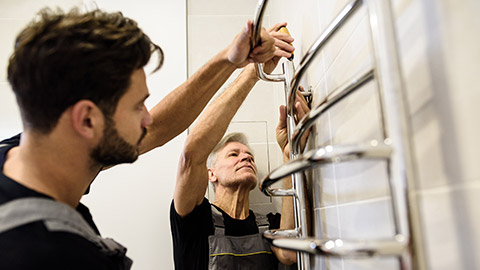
406,243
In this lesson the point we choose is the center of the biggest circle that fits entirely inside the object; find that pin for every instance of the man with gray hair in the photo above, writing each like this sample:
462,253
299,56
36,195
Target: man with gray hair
225,234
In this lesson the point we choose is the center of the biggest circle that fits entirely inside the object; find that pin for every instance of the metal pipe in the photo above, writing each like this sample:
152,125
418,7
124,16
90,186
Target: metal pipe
308,120
257,28
343,247
328,154
397,129
315,48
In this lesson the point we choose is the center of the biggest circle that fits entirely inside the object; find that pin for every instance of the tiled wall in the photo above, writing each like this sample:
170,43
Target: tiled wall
438,45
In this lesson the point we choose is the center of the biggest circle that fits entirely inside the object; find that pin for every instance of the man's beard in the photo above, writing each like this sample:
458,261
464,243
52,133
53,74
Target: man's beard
113,149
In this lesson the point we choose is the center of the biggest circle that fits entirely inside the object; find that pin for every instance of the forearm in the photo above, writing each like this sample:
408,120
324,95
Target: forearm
173,114
214,121
192,178
287,222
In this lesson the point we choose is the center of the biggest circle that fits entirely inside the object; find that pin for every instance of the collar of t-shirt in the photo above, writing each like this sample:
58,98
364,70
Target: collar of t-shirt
239,227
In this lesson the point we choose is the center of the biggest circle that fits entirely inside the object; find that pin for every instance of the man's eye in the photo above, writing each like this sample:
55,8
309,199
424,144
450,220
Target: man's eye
233,154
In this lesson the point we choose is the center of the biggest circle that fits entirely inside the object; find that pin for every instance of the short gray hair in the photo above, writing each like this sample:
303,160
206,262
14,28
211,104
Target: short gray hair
231,137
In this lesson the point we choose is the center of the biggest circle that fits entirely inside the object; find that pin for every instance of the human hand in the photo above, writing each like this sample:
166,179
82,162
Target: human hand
283,47
301,109
240,53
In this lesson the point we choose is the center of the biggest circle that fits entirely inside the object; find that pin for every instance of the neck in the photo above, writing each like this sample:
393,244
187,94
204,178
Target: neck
51,166
234,202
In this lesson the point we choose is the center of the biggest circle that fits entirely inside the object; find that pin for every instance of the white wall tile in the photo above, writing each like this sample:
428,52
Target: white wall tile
361,180
353,59
377,263
324,186
329,218
357,118
367,220
353,37
451,222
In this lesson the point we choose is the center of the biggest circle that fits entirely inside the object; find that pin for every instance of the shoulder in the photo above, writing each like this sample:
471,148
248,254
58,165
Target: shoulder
197,224
48,250
13,141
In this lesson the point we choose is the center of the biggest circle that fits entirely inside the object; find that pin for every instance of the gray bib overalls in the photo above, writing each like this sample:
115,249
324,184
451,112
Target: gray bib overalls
239,252
59,217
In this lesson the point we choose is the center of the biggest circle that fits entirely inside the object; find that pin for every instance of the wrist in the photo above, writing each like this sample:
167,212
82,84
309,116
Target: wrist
251,72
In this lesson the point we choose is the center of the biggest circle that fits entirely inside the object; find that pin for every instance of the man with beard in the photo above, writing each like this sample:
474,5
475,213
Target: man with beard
80,85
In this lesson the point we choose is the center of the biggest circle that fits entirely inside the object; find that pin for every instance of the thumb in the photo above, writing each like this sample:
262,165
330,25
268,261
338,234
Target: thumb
282,121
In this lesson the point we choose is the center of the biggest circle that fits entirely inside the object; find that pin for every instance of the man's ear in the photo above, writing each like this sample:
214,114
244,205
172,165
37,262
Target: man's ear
211,176
87,119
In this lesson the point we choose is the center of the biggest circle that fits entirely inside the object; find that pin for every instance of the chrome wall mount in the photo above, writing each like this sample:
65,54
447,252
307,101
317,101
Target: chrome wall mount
406,243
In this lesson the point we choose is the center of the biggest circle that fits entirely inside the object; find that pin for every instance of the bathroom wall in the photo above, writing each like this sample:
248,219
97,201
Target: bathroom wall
129,203
439,54
438,47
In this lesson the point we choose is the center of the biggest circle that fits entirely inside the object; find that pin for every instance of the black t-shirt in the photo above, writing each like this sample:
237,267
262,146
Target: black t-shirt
190,233
32,246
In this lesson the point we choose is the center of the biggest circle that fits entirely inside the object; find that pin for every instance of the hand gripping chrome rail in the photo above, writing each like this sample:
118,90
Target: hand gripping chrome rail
257,28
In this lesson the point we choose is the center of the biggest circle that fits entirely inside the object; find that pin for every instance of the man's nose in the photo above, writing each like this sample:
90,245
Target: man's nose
247,157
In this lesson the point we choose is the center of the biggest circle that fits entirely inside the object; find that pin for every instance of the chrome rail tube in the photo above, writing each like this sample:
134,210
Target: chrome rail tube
343,247
275,234
297,191
309,119
257,28
328,154
398,130
315,48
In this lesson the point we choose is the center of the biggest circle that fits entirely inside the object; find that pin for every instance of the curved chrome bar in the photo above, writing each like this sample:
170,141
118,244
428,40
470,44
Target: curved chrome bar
280,192
345,248
257,28
309,119
276,234
315,48
328,154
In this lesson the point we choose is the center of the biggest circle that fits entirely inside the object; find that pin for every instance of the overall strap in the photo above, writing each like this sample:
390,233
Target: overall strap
56,216
218,223
261,220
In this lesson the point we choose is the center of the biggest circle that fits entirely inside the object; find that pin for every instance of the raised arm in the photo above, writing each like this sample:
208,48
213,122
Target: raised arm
178,110
192,177
287,220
